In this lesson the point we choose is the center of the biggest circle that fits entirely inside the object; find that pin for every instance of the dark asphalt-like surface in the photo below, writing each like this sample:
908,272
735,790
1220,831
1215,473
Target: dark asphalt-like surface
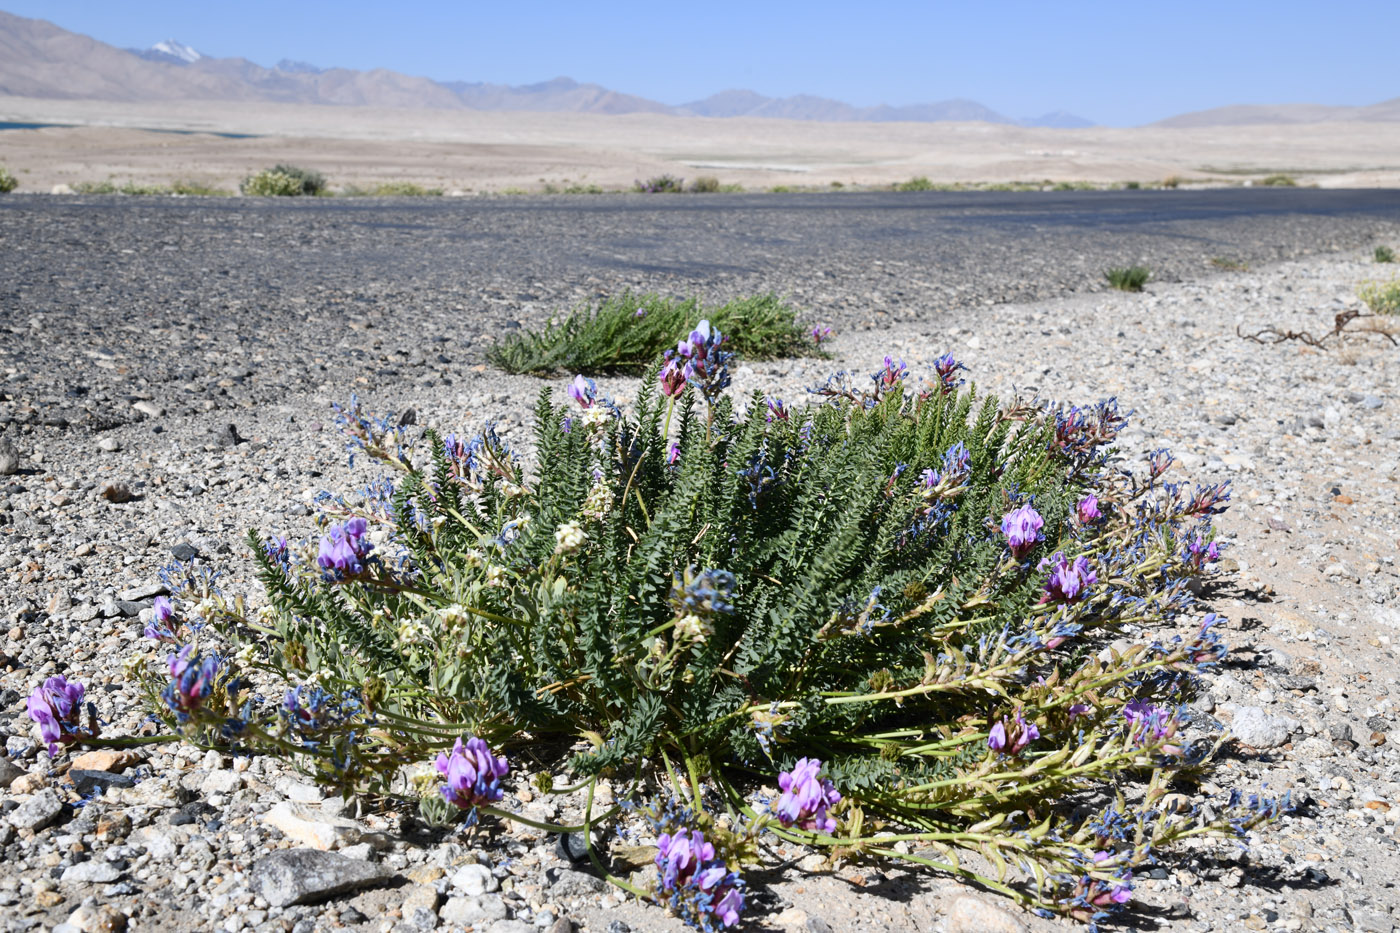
114,297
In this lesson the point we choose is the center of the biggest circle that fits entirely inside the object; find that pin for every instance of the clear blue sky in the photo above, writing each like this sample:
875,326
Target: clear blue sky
1118,63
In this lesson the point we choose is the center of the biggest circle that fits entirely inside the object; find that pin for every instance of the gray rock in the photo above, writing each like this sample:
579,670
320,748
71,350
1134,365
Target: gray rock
37,812
470,911
9,457
144,591
1258,729
92,872
511,926
973,915
474,880
569,883
571,846
8,772
90,782
306,876
184,551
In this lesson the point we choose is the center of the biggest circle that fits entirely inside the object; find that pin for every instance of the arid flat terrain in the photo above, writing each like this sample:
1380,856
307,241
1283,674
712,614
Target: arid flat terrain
476,151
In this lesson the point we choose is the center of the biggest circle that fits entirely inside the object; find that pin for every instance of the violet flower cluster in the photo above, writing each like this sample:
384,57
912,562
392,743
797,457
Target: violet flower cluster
1069,581
473,774
1022,528
192,680
344,549
699,887
57,706
1011,737
698,361
806,797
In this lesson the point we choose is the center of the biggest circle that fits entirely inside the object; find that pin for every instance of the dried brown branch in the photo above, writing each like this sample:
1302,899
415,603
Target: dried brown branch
1272,335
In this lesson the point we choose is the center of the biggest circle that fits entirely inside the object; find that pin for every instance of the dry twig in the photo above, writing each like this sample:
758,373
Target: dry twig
1272,335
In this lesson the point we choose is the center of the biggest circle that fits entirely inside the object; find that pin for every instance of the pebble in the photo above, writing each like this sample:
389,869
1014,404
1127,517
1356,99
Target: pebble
38,811
1258,729
98,919
470,911
473,880
306,876
969,914
9,457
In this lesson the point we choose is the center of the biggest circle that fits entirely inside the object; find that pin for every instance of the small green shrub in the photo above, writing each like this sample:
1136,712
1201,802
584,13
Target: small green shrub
8,182
1381,297
837,185
1128,279
625,333
584,189
1383,254
1132,185
962,626
1171,181
132,187
284,181
732,188
780,189
95,187
661,184
1228,264
1279,181
405,189
705,184
919,183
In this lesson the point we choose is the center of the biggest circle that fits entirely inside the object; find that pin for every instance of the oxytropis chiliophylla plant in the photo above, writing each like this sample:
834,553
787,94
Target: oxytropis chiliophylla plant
877,625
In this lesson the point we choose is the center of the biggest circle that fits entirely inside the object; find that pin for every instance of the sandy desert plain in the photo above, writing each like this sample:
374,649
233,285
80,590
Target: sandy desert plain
476,151
100,306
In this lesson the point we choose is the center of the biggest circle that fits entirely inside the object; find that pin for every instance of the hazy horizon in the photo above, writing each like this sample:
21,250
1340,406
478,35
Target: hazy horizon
1131,66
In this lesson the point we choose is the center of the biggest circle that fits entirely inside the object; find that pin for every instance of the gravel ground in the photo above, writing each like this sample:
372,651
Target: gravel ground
128,368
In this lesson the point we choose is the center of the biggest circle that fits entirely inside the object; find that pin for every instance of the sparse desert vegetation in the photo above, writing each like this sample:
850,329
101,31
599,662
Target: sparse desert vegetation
1128,278
1380,297
284,181
8,182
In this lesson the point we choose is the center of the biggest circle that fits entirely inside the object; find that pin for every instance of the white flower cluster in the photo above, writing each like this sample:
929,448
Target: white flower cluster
568,538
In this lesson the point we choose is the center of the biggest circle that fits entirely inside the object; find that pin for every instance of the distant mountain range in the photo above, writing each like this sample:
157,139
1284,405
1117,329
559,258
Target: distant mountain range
39,59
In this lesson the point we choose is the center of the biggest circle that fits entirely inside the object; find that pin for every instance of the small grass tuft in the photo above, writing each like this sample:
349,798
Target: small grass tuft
8,182
705,184
1229,265
918,183
1171,181
1380,297
195,188
583,189
660,184
1129,279
1279,181
391,189
1133,185
1383,254
627,333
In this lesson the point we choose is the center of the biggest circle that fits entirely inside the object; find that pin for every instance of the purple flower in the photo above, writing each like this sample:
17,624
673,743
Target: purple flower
701,888
891,375
192,680
1068,581
947,368
56,706
672,378
344,548
583,391
1200,552
473,774
1010,741
806,797
1148,723
1022,529
777,409
673,454
821,334
1087,510
159,626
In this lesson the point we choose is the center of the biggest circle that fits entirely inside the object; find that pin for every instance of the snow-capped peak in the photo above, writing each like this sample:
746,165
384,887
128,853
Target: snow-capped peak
178,50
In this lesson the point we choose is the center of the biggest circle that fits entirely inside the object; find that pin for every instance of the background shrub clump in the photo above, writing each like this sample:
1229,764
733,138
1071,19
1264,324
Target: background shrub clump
284,181
8,182
624,334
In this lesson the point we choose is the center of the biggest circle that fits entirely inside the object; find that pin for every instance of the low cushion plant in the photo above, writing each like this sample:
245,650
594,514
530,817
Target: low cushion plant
907,622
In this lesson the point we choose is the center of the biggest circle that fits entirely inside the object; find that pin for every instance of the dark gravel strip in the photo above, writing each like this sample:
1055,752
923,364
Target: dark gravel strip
198,304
